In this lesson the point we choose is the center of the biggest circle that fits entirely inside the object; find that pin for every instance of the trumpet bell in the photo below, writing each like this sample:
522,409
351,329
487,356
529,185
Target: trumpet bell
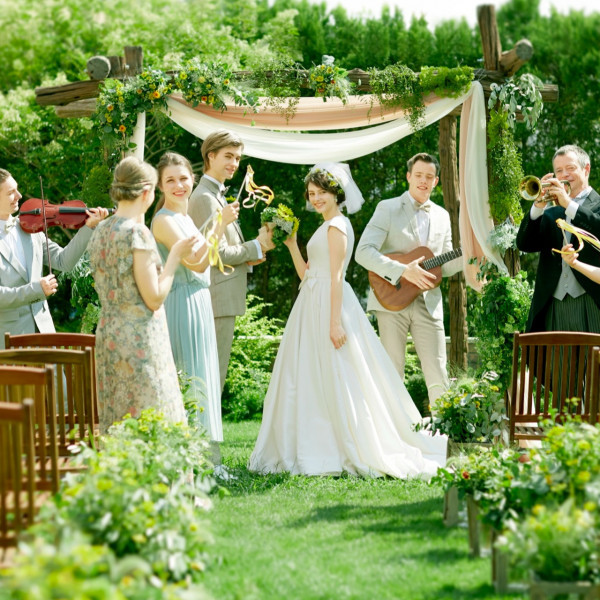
532,187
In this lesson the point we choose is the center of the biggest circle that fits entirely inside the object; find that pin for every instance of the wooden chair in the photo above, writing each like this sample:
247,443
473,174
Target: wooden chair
72,382
548,369
68,341
19,383
595,386
17,474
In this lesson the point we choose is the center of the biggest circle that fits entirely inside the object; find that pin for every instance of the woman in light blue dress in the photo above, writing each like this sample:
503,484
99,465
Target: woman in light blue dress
188,305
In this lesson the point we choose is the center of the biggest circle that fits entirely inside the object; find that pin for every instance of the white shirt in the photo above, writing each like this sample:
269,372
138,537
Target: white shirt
13,240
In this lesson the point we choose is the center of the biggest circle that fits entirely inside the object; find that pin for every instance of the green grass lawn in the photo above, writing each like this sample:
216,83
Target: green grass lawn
282,536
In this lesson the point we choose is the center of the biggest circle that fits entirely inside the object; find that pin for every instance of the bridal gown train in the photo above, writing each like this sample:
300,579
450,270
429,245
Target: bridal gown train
327,411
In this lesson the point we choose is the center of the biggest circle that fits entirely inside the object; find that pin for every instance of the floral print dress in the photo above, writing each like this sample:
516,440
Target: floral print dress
134,363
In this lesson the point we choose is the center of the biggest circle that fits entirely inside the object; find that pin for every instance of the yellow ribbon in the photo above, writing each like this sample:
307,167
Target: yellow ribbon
581,234
256,192
212,243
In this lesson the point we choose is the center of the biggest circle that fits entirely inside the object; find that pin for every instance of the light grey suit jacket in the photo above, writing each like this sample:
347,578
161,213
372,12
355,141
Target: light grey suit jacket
23,305
393,229
228,292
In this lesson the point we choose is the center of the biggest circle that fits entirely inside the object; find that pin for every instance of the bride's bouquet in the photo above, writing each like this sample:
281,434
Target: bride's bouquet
281,220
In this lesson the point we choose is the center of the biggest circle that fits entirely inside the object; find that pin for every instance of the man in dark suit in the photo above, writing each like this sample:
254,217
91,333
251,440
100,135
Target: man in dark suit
563,299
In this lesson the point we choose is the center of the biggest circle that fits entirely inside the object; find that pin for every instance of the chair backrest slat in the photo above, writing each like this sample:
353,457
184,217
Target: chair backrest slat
68,341
73,389
17,470
19,383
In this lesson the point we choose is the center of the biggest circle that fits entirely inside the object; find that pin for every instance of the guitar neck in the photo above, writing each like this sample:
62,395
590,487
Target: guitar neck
436,261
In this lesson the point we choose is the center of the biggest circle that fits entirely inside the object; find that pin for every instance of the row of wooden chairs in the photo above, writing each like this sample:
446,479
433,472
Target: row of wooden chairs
47,402
549,369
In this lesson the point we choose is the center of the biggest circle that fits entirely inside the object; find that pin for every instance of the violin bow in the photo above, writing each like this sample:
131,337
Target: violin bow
45,226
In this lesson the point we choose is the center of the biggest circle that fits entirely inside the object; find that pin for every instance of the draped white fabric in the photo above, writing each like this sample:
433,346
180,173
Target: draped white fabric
310,148
476,199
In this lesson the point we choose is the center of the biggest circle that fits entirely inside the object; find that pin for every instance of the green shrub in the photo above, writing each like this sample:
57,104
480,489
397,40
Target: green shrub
73,569
499,311
471,410
142,495
252,355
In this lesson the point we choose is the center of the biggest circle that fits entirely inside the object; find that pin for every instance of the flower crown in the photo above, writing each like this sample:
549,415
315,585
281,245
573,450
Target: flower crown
331,179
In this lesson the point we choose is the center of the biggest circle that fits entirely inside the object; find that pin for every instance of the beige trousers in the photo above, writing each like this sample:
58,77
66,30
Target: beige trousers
224,328
428,337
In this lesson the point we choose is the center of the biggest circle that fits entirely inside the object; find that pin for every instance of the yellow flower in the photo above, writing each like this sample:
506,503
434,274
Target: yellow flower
110,107
226,81
156,94
108,118
583,445
583,476
320,78
139,90
182,75
122,128
538,509
201,79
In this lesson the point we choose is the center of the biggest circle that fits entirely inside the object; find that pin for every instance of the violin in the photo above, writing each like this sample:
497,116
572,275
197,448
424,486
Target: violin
71,214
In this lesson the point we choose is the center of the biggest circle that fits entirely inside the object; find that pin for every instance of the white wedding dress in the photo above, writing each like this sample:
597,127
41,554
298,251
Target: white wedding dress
328,411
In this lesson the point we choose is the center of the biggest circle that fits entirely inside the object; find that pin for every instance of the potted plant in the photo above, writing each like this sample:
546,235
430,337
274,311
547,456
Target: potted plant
471,411
559,546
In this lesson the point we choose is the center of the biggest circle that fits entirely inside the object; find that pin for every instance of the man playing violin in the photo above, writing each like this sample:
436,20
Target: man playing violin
23,290
563,299
400,225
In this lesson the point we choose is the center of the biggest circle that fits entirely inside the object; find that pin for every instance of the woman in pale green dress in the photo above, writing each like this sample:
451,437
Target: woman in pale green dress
135,368
188,306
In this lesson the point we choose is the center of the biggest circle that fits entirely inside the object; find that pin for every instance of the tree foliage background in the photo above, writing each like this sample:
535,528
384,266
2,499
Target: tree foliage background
47,42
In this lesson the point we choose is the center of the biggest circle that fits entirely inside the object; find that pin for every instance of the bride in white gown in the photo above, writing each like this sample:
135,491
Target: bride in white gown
335,402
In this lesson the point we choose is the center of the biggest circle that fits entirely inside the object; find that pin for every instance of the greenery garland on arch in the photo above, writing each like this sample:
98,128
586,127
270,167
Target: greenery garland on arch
212,83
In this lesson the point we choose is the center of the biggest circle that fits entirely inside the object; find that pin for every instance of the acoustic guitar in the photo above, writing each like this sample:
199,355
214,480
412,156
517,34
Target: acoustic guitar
399,296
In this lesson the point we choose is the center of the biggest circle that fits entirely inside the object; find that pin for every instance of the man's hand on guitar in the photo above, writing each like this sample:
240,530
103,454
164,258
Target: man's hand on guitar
414,274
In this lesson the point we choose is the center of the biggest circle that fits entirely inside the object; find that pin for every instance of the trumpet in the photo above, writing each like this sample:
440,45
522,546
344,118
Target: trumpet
532,187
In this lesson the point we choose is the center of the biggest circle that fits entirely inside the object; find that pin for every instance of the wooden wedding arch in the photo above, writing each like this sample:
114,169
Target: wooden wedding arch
78,99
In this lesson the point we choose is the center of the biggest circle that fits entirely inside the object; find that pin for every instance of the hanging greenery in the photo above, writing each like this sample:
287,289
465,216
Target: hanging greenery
446,82
398,86
279,83
523,93
506,171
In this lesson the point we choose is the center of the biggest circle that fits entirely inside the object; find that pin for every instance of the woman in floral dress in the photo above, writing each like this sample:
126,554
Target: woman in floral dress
135,366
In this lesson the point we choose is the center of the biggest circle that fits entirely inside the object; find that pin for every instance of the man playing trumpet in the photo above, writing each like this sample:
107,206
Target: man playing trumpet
563,299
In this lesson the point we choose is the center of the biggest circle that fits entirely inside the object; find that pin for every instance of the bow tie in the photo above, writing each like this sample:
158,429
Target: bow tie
426,206
224,190
10,223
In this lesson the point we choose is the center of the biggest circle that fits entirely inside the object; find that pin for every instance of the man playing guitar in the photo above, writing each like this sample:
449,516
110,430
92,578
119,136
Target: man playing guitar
400,225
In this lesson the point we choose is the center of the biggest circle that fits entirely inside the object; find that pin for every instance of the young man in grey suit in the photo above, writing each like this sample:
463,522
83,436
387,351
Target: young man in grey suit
23,290
221,152
400,225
